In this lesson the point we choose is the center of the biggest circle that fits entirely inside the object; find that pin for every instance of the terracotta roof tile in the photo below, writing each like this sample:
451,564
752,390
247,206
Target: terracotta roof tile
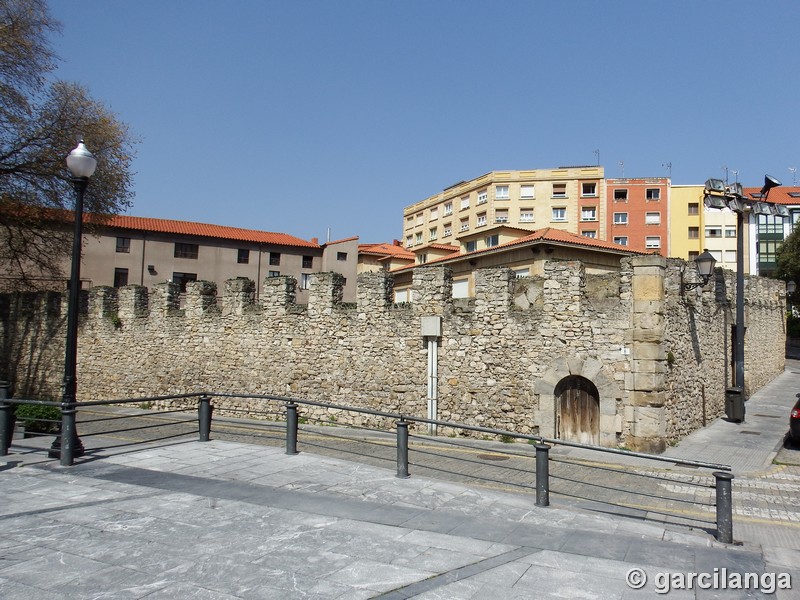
778,195
205,230
547,234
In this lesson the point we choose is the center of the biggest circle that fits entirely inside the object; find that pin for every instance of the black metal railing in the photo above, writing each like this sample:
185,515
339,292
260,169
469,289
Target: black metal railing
538,465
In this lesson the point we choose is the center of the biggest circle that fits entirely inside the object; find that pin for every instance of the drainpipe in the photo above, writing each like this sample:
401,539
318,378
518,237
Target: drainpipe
432,331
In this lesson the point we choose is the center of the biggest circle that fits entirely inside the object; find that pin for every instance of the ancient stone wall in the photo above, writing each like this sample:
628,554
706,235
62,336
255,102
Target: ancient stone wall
651,352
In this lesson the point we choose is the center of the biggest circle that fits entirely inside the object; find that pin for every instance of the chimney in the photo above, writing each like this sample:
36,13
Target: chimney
315,241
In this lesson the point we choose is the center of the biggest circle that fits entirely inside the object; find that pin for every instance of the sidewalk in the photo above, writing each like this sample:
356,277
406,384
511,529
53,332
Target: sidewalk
222,520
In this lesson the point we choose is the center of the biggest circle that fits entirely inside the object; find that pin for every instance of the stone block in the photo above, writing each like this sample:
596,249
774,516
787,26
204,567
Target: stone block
648,351
640,398
648,381
649,422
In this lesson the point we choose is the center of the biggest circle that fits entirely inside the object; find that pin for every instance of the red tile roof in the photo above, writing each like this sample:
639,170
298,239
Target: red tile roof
385,249
547,234
205,230
778,195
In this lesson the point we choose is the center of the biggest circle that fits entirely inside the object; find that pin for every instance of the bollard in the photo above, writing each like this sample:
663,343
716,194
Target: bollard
6,419
70,448
291,428
204,410
724,507
402,449
542,475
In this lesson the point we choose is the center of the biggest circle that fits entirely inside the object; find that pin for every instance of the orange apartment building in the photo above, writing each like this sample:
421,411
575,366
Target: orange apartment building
638,213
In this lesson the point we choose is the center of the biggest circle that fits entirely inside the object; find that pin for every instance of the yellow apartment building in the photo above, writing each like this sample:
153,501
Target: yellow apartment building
489,210
694,228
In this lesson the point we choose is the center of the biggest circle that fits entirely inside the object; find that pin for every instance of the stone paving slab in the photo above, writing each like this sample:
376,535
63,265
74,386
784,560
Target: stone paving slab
161,524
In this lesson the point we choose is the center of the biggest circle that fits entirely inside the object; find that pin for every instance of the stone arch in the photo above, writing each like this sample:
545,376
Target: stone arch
608,392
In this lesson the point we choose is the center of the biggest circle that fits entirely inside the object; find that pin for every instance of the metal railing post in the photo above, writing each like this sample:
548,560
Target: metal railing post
724,507
402,448
6,419
204,411
291,428
542,475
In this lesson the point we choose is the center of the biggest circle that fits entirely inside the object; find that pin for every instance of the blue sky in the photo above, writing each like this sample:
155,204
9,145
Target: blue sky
302,116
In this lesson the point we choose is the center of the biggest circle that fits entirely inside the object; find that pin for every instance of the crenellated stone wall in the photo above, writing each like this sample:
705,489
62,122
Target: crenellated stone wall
657,357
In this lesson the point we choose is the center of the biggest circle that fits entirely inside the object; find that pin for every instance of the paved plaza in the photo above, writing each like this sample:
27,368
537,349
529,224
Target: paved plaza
225,519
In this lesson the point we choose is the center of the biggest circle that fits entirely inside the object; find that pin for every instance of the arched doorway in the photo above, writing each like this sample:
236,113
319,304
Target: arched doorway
578,410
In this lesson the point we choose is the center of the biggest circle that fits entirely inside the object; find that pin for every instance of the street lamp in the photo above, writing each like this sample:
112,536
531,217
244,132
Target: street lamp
705,268
718,195
81,165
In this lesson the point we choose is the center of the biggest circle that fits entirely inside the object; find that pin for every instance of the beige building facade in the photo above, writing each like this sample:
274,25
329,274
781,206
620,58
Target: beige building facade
143,251
471,215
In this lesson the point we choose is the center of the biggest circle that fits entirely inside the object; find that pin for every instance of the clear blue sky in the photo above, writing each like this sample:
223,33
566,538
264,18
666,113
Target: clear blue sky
298,116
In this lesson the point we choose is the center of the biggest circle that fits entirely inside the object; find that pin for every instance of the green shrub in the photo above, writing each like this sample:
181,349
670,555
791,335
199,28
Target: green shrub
39,418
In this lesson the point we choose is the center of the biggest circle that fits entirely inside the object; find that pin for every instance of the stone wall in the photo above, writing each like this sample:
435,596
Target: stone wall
657,357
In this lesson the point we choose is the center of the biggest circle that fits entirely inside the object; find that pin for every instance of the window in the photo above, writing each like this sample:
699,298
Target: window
308,262
652,218
492,241
589,213
182,279
418,237
464,225
693,254
501,192
409,222
465,203
694,233
123,245
275,258
402,295
526,215
559,214
461,288
422,259
483,196
274,274
471,246
448,209
434,214
305,280
409,242
589,189
243,256
730,232
341,256
622,240
713,232
120,277
620,218
694,208
481,220
526,191
501,216
653,194
559,190
621,195
448,230
589,233
433,233
652,241
420,218
185,250
730,256
520,273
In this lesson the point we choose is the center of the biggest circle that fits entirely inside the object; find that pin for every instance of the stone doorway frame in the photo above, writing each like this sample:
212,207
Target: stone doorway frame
609,395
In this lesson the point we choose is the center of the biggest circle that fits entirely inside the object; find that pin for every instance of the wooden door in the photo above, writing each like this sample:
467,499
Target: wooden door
578,411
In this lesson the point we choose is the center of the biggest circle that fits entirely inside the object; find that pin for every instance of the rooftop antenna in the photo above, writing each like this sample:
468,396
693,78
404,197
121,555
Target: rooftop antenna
622,167
735,175
597,155
668,166
725,169
793,171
